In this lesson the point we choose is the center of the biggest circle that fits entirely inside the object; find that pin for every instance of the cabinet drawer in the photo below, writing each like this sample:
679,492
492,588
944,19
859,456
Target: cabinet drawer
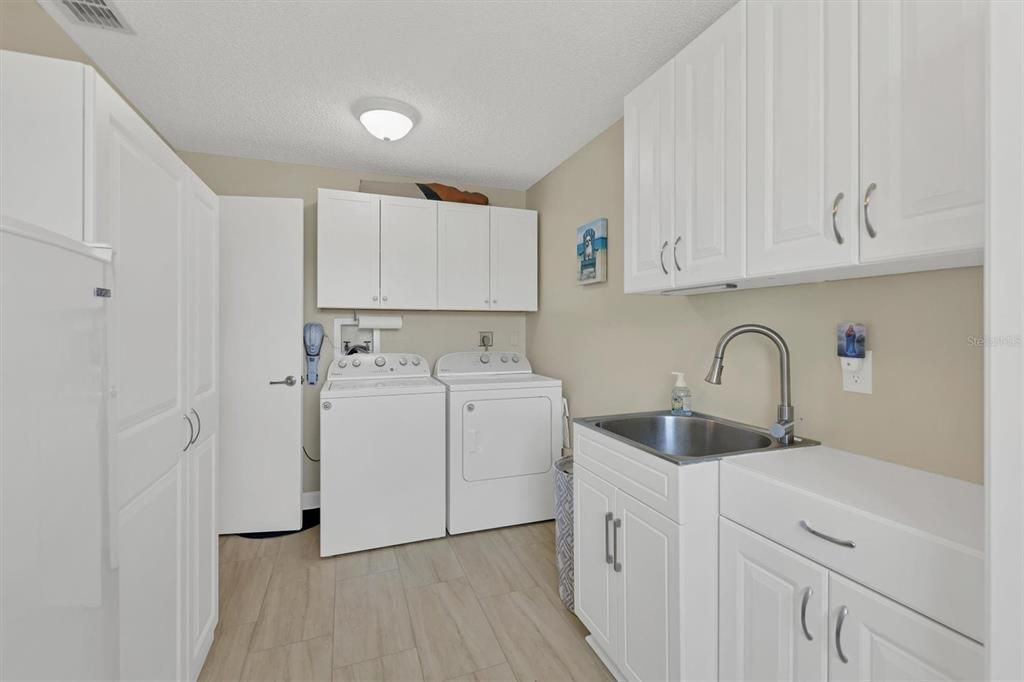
935,576
683,493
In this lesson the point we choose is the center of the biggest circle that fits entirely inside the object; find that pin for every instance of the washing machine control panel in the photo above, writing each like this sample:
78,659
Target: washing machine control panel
368,365
488,362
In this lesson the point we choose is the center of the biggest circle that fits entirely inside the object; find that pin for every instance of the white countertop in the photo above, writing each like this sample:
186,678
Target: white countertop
944,507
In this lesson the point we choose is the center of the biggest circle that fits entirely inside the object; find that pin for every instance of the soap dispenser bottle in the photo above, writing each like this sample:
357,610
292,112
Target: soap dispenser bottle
682,397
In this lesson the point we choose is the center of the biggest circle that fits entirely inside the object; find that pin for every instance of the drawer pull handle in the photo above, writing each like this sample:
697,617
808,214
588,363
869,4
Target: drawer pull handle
803,613
843,612
607,545
818,534
617,566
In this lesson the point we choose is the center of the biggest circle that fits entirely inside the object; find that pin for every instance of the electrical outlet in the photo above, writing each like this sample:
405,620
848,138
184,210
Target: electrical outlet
486,340
857,380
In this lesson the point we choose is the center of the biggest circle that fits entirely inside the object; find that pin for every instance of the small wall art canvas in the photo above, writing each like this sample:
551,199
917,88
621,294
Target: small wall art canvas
851,339
592,252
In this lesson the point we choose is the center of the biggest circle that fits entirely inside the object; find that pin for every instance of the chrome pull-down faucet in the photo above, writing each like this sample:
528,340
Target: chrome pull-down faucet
782,430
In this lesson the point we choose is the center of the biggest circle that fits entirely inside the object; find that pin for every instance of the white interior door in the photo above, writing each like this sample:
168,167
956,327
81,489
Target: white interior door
710,161
922,117
802,135
773,609
649,121
463,257
347,249
408,253
595,597
879,640
513,259
261,341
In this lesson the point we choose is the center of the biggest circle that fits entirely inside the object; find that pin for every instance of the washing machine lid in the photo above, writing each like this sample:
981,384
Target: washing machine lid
356,388
494,382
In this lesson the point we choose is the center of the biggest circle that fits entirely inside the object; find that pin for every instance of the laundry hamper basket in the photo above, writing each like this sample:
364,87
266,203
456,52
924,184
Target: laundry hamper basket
563,530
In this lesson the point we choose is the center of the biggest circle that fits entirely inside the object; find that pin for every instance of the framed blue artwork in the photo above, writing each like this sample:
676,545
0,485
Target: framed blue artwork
592,252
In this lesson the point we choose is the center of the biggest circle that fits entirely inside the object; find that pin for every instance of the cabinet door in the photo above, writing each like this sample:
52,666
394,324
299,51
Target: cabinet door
773,611
710,160
202,601
595,597
649,176
513,259
152,582
347,250
801,135
42,159
463,258
648,552
882,641
922,113
203,269
408,253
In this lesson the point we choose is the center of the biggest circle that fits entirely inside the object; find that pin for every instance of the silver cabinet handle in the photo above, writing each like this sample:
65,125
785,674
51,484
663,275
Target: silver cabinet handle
675,255
843,612
661,258
607,547
867,218
803,613
199,426
191,433
616,564
835,210
818,534
287,381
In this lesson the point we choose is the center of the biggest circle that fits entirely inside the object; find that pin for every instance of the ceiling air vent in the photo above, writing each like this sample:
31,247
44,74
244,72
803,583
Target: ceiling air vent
98,13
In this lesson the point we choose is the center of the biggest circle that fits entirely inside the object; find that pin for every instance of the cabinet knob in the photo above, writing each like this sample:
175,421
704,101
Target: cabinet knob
385,298
375,298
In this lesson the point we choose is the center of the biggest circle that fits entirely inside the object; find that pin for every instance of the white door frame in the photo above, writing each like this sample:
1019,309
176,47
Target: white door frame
1004,325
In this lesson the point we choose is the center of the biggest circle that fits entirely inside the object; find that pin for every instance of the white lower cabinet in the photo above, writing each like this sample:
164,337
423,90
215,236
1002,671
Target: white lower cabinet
879,640
784,617
627,579
773,610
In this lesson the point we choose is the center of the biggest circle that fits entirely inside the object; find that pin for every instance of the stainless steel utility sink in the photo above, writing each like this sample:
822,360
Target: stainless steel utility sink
687,438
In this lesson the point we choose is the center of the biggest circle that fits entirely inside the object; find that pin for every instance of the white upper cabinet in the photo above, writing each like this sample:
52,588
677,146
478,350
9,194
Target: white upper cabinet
707,242
347,250
408,253
463,257
649,142
42,142
773,611
513,259
874,639
922,94
802,198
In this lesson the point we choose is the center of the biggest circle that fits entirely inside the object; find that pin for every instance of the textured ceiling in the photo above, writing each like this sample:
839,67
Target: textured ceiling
506,90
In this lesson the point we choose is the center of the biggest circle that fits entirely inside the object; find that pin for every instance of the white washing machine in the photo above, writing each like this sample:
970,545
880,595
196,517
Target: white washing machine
382,453
504,436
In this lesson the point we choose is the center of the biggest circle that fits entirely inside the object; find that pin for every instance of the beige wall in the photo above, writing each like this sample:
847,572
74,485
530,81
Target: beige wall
428,333
614,352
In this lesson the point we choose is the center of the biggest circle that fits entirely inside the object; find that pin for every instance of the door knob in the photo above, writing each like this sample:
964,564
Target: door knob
287,381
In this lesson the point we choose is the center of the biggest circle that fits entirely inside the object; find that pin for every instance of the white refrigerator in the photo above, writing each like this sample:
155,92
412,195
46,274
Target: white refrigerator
58,579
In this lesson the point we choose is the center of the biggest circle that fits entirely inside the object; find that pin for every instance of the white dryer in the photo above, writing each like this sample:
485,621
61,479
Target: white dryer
382,453
504,436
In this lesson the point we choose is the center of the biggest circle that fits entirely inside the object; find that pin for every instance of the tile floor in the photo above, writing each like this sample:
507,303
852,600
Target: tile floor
482,606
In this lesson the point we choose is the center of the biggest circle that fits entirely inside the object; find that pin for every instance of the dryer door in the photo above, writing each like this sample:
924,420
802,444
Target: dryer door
503,437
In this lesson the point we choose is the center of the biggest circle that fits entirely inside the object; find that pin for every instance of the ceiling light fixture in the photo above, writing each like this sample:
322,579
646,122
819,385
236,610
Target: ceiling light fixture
386,119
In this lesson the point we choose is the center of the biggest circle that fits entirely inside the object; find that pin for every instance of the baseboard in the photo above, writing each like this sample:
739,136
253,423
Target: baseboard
311,500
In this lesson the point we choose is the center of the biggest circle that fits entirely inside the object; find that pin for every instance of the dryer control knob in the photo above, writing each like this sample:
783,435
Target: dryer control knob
357,362
485,358
379,361
415,362
342,363
504,358
403,362
515,358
